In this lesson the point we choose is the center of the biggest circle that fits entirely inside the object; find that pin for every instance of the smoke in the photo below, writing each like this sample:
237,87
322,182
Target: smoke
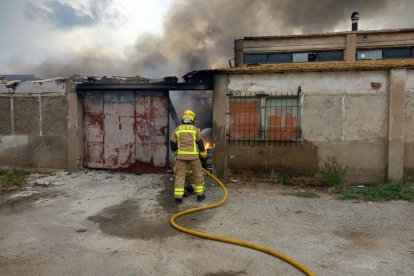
93,61
200,34
199,101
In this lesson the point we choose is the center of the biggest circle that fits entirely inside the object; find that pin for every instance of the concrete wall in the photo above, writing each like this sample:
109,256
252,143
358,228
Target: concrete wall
34,128
409,126
221,83
344,115
383,40
296,44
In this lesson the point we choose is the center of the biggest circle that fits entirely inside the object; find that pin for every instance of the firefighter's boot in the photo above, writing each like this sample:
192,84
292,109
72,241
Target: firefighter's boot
200,198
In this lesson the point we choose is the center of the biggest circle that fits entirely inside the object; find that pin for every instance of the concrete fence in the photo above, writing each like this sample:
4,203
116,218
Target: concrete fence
34,124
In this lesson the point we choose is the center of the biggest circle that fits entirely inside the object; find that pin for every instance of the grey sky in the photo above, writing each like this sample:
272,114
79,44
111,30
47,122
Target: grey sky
64,15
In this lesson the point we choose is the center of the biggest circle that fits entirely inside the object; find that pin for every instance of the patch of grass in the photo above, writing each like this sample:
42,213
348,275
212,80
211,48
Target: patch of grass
393,190
306,194
332,173
13,177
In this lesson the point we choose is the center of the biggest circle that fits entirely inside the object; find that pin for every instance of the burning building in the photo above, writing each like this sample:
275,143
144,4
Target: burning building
290,103
96,123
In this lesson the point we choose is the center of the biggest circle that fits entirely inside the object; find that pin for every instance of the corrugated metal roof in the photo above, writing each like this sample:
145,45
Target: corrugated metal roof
321,66
407,30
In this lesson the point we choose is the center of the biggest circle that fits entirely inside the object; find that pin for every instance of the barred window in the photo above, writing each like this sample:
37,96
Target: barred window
265,118
244,118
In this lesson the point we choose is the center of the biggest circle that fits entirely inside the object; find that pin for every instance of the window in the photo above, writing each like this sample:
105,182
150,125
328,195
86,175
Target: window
397,53
304,57
279,58
318,56
281,118
369,54
255,58
387,53
244,118
331,56
265,118
268,58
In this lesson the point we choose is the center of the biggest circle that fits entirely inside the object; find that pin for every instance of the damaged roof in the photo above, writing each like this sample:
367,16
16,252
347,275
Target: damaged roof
119,79
139,83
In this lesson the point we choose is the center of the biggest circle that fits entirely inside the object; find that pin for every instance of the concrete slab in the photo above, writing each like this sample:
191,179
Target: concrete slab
26,115
54,115
322,118
366,117
98,224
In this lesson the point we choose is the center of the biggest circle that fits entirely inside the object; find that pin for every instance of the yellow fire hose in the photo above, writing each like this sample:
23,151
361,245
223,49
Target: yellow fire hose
274,253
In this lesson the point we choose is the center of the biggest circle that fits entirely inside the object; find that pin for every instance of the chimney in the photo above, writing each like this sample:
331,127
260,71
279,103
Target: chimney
355,18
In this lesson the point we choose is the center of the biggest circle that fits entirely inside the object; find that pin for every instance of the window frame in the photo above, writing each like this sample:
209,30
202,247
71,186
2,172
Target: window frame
265,112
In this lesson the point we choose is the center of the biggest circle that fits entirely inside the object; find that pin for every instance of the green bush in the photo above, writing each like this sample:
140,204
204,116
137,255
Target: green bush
332,173
13,177
393,190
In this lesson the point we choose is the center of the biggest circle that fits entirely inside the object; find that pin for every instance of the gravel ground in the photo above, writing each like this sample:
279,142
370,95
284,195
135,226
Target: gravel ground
103,223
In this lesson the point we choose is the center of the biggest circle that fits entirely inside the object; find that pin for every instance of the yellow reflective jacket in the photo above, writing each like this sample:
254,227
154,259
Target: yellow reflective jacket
186,137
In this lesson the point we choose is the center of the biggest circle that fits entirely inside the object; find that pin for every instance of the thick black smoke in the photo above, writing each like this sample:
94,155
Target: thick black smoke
200,34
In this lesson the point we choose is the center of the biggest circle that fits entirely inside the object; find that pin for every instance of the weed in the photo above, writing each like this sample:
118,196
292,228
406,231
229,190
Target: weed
284,177
332,173
306,194
393,190
13,177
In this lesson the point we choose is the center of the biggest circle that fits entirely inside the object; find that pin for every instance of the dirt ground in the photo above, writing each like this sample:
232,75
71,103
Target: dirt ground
103,223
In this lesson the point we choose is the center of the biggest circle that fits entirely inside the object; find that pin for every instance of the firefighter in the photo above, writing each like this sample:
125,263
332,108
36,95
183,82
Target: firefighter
188,146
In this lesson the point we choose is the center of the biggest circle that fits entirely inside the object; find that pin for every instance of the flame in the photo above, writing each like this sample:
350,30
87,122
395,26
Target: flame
208,145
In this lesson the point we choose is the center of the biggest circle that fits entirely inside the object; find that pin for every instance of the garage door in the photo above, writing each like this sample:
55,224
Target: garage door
126,130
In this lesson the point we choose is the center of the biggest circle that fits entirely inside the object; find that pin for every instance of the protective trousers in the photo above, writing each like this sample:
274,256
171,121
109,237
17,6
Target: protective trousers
180,174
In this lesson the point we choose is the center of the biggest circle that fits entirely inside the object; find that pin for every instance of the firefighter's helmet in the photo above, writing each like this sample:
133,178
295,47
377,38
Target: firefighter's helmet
188,116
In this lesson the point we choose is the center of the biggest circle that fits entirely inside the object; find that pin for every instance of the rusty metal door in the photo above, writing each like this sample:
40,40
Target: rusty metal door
126,130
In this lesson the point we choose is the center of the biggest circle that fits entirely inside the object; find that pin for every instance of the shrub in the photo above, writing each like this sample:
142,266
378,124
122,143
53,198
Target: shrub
332,173
393,190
